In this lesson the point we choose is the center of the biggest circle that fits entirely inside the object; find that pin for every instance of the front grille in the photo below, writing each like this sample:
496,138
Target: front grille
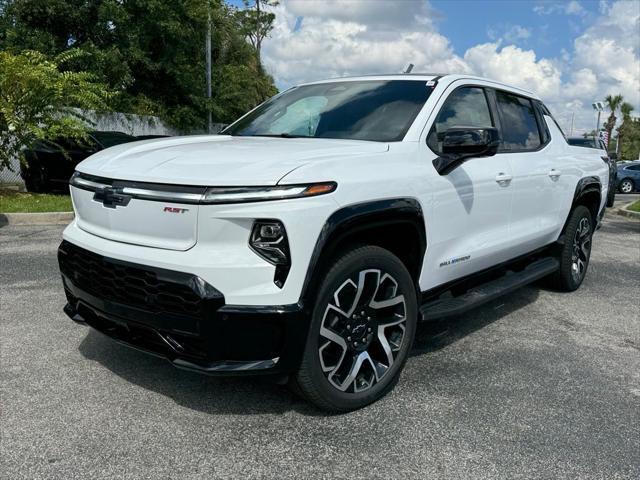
128,284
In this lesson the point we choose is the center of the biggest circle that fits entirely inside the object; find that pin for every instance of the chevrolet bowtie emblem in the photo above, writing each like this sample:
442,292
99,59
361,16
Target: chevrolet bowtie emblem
110,198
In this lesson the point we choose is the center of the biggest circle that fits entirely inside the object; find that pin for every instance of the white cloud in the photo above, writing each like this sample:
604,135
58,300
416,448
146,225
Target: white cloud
515,66
574,8
611,50
345,37
516,33
510,33
568,8
341,43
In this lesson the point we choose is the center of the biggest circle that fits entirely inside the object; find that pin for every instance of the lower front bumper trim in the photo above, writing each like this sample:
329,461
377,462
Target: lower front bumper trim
226,366
212,367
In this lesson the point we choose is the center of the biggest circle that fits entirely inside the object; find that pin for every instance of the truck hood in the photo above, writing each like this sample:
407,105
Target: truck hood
218,160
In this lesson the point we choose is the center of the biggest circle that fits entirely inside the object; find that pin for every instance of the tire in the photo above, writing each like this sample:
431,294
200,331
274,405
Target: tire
35,181
575,252
362,329
611,196
626,186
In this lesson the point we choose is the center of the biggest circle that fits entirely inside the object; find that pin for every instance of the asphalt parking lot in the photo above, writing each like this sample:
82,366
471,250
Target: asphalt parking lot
536,385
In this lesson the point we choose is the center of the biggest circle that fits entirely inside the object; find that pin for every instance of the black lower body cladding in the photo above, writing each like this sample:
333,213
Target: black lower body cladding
179,316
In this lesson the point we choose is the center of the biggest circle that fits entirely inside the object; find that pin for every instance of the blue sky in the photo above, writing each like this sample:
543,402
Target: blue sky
468,22
570,52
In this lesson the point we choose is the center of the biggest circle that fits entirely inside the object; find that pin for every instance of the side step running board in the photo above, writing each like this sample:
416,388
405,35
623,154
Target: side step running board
441,308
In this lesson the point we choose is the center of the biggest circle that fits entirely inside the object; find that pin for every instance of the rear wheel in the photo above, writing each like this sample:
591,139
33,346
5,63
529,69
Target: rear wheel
362,329
626,186
576,251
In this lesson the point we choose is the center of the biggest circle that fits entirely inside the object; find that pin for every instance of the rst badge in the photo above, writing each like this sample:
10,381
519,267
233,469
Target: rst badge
175,210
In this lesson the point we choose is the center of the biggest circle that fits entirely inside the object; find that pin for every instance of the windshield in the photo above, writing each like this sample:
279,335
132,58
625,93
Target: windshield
374,110
109,139
583,142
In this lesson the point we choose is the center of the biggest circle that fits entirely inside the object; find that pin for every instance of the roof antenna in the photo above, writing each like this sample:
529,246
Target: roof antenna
409,68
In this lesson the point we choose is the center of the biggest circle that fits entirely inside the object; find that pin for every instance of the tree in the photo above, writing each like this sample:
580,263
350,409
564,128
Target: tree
152,51
40,101
613,102
256,24
625,109
629,134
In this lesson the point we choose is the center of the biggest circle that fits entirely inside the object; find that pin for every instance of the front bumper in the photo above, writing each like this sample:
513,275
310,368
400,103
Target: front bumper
179,316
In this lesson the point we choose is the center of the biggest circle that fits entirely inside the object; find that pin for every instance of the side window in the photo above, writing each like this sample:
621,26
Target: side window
545,111
519,125
544,128
465,107
633,167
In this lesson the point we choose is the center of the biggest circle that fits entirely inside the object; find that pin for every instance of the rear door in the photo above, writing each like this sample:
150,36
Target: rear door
468,221
536,172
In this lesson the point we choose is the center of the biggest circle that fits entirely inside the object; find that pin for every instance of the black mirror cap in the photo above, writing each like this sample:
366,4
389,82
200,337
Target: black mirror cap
462,143
469,141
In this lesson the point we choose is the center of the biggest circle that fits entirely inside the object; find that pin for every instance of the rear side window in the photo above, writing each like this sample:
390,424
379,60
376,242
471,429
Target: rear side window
519,126
465,107
633,167
545,111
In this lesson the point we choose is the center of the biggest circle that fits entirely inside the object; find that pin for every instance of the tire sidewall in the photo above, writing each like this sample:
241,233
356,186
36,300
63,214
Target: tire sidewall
355,261
566,263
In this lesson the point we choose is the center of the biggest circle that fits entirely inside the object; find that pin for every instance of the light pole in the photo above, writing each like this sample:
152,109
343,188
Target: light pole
573,114
208,67
599,107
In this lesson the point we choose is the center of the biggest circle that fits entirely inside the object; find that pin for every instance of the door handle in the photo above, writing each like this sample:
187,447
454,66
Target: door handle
554,174
503,179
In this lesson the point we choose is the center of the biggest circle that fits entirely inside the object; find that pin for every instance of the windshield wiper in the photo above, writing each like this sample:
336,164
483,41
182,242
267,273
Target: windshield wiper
276,135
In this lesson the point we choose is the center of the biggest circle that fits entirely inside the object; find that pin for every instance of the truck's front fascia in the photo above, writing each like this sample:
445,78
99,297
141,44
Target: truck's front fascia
214,306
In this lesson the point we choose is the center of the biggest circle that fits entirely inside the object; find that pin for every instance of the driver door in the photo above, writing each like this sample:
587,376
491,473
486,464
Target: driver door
468,221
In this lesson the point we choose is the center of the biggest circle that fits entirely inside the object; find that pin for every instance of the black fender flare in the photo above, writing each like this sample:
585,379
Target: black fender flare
588,186
361,216
585,186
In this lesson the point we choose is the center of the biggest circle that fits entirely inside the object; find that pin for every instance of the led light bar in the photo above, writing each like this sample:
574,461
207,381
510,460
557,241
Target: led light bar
200,195
262,194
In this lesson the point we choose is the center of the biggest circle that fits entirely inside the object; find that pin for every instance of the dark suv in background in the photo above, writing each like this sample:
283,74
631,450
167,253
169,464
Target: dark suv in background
49,165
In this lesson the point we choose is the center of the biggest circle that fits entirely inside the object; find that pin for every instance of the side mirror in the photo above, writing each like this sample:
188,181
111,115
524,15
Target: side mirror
462,143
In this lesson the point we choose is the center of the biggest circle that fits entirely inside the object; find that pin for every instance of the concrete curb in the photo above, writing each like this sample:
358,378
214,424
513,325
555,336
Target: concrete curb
628,213
45,218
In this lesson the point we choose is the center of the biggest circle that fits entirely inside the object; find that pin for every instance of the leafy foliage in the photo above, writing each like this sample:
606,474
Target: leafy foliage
37,100
152,51
255,23
629,137
613,102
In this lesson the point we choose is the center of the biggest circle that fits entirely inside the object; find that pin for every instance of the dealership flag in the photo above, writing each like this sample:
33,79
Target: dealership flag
604,136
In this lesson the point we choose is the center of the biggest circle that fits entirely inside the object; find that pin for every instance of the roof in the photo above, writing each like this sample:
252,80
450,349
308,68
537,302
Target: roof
449,77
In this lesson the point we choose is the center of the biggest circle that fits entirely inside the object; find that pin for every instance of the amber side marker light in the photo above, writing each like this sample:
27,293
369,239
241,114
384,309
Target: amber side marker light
319,189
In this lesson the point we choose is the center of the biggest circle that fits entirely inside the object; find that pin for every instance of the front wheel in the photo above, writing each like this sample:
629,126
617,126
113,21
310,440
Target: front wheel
576,251
362,328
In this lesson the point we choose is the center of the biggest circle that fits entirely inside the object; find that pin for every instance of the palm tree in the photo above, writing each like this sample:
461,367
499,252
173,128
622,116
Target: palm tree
613,102
625,109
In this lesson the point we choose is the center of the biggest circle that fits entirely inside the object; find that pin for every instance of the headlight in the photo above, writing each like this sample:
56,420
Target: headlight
262,194
269,240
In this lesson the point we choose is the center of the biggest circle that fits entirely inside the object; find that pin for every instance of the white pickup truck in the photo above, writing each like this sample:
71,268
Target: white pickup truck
309,238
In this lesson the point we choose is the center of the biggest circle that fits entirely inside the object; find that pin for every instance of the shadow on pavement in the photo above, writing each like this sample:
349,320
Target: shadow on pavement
258,395
433,336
